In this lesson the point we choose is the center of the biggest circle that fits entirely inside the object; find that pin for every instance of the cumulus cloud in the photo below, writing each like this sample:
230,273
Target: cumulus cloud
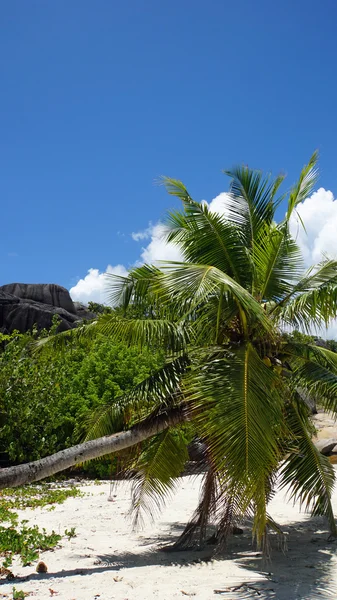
93,287
330,333
319,215
219,203
142,235
158,249
319,238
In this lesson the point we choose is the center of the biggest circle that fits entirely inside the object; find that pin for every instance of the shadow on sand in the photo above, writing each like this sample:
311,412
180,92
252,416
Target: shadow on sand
305,570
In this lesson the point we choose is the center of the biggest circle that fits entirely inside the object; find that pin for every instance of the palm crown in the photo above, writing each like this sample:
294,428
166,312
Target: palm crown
222,316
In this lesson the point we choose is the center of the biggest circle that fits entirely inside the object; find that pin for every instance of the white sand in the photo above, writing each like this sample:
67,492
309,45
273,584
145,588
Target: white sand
106,560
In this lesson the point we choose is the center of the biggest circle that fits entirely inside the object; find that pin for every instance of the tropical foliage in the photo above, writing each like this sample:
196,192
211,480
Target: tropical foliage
222,316
46,398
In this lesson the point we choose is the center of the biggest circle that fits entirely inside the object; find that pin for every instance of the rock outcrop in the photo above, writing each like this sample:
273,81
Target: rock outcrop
326,446
24,305
44,293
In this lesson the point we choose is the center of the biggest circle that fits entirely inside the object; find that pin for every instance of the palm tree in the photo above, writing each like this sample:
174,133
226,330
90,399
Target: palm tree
233,371
222,316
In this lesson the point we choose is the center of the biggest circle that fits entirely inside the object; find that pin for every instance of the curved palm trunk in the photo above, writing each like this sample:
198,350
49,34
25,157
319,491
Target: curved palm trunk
40,469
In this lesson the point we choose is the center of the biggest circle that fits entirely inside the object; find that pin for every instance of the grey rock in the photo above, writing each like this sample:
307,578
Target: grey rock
319,342
326,446
23,306
197,450
45,293
83,312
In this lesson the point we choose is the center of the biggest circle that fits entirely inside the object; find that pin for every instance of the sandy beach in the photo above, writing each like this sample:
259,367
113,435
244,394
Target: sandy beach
107,560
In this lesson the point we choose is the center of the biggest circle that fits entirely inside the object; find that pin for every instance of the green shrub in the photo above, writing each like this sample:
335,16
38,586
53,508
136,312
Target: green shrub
45,397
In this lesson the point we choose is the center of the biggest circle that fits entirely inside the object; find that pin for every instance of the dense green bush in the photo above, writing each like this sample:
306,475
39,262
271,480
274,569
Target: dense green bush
46,396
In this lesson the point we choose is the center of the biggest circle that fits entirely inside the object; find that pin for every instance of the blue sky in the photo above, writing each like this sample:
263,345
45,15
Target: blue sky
100,98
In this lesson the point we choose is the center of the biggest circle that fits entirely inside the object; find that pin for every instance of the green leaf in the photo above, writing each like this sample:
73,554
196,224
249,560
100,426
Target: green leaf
308,474
253,201
312,302
238,411
278,263
208,238
133,289
304,187
193,286
160,463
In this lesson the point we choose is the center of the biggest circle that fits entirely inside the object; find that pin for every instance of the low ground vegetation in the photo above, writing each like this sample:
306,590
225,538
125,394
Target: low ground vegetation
17,538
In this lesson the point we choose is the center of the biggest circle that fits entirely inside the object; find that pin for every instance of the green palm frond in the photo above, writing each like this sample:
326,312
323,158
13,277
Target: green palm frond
312,302
314,371
309,310
236,400
174,187
238,410
320,381
304,187
279,179
196,284
158,466
135,289
325,273
278,263
297,352
306,472
316,278
174,337
214,321
156,333
208,238
255,200
68,337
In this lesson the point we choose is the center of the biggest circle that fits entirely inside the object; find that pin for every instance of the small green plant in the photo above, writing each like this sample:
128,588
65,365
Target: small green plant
19,594
32,496
20,539
27,542
7,516
70,533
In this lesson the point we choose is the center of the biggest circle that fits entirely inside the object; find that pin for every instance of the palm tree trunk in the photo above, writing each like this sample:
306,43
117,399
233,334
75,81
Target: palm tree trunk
39,469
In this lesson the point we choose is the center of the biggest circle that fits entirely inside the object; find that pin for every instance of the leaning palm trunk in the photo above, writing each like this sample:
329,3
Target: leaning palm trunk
45,467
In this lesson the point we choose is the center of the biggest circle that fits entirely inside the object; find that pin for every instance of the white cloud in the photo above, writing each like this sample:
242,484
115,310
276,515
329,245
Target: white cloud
158,249
93,287
142,235
329,333
219,203
319,215
318,212
319,238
